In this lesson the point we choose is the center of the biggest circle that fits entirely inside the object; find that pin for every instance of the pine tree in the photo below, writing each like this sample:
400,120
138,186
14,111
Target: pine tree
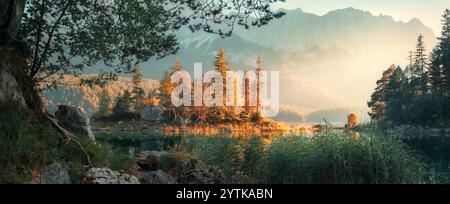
104,103
441,63
435,72
444,47
410,66
220,63
377,104
177,67
258,83
138,89
165,92
221,66
417,73
123,104
394,99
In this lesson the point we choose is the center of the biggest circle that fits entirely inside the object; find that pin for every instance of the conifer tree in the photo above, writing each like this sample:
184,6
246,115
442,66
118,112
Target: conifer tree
444,47
435,72
221,66
417,74
165,92
220,63
123,104
138,89
105,102
377,104
258,84
440,67
394,99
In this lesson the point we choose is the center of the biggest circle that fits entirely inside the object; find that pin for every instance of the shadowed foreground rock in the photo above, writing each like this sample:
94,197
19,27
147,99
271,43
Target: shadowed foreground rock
158,177
108,176
150,160
53,174
194,172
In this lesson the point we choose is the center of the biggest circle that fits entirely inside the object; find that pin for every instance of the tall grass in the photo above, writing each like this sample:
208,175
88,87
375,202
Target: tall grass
322,158
336,158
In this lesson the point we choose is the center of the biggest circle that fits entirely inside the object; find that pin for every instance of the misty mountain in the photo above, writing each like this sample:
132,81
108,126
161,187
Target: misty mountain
333,61
298,34
343,28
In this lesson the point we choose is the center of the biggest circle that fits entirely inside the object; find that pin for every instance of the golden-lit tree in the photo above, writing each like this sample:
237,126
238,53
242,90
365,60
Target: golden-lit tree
258,73
165,91
352,120
377,103
221,66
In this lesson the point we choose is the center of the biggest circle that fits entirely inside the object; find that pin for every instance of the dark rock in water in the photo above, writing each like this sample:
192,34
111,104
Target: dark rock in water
150,160
54,174
158,177
108,176
75,120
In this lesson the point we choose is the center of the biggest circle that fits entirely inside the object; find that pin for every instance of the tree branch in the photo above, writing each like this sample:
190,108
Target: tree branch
67,136
49,40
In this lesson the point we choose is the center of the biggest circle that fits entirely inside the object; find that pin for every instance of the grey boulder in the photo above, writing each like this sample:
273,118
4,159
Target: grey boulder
75,120
9,89
55,173
108,176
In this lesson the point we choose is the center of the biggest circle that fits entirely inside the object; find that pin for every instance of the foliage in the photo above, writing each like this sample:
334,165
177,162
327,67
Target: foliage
68,36
29,144
114,33
377,102
419,95
165,92
124,104
138,92
105,102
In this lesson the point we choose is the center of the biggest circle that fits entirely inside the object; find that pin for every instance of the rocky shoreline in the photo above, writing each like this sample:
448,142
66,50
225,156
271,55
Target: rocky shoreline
151,167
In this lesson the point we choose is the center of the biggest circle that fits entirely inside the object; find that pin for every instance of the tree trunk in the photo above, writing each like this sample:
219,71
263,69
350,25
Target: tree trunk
11,13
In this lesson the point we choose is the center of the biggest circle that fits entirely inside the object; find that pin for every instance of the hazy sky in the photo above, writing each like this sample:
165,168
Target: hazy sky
428,11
